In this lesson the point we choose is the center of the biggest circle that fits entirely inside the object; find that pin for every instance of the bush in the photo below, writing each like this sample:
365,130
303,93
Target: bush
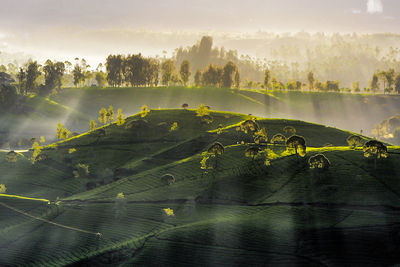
319,161
81,170
168,179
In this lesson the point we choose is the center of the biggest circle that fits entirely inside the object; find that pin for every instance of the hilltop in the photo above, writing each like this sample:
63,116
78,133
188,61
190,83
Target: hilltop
241,212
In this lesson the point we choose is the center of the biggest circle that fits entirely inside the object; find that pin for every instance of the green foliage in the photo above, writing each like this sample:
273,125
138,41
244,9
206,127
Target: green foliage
252,152
110,114
298,144
376,149
92,125
36,152
103,116
278,139
145,111
167,71
114,69
261,136
267,78
319,161
53,73
249,125
81,171
355,141
289,130
174,127
78,75
32,73
3,189
185,72
311,80
197,78
202,110
167,179
62,132
228,78
11,157
120,117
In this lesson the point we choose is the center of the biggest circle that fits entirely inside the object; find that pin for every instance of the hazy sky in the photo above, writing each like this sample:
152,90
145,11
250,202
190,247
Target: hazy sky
51,26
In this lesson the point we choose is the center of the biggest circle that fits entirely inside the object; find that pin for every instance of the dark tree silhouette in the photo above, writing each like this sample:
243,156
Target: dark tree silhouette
297,143
376,149
355,141
319,161
215,150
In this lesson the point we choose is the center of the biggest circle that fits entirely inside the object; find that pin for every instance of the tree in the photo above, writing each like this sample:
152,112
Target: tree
185,106
12,157
167,179
355,141
216,150
78,75
197,78
36,151
397,83
185,72
260,136
3,189
110,114
319,161
53,73
311,80
355,86
376,149
114,70
374,83
92,125
167,71
267,78
100,78
297,143
228,74
278,139
62,132
289,130
202,110
212,76
252,152
249,125
237,79
144,111
120,117
103,116
21,77
32,73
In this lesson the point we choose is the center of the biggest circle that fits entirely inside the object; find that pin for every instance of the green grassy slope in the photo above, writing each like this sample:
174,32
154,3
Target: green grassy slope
241,213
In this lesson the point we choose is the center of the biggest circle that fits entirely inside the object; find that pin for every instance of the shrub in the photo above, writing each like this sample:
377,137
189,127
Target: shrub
81,170
354,141
168,179
319,161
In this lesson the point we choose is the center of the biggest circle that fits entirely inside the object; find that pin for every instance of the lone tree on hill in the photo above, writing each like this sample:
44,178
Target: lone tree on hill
354,141
215,150
185,72
185,106
319,161
62,132
297,143
376,149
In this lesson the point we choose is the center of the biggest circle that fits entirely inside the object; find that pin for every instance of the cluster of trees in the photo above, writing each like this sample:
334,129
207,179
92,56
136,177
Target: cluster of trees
134,70
390,81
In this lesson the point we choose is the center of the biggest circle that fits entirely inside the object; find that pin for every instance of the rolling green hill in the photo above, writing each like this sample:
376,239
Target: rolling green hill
242,212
